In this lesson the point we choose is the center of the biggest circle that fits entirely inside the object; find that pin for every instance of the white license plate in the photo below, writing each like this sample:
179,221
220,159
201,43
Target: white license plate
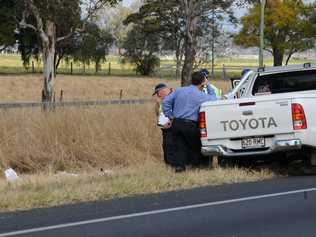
254,142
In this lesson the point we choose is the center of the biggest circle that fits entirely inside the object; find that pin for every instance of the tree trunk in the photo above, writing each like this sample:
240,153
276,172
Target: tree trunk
48,61
178,62
58,58
190,43
189,58
278,57
288,58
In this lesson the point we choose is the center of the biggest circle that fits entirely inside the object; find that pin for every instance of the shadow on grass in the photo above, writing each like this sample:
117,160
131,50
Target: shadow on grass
276,164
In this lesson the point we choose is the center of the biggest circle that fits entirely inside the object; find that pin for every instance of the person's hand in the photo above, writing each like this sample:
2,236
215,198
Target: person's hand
167,125
158,99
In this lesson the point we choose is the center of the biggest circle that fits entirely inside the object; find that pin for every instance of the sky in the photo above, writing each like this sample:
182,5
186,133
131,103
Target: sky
127,2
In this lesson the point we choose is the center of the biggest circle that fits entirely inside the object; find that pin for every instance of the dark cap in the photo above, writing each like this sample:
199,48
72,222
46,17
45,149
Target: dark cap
204,72
159,87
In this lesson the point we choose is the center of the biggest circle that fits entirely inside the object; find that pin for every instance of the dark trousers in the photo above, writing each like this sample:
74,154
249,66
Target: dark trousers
187,143
167,146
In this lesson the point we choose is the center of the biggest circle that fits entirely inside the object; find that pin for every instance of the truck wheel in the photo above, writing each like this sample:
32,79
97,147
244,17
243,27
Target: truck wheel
312,157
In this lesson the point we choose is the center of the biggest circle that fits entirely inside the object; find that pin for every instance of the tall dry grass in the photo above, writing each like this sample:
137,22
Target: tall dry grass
31,140
76,138
124,139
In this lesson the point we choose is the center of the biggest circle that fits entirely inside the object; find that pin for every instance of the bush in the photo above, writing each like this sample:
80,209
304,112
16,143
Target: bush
147,64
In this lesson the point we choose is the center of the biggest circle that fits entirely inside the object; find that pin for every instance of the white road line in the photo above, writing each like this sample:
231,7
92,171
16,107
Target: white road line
147,213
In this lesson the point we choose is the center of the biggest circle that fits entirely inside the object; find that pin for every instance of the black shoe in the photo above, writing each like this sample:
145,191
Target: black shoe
179,169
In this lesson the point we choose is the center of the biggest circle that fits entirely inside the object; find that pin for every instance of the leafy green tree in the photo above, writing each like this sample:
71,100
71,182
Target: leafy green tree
7,25
142,47
93,45
288,29
171,25
182,25
45,18
196,12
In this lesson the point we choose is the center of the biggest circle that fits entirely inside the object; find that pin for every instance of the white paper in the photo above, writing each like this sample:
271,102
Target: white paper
11,175
162,119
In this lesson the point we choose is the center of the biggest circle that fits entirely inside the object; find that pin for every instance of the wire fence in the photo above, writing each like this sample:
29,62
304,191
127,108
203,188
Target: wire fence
20,105
219,72
114,67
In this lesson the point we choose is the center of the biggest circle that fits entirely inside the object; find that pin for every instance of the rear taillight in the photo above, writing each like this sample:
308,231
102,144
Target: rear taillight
202,124
298,117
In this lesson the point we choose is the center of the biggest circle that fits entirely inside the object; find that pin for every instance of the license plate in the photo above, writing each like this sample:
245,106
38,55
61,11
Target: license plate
254,142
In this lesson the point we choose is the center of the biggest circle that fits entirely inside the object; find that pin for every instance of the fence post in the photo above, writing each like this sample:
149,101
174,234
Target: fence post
43,95
224,72
33,68
61,98
109,68
121,94
71,68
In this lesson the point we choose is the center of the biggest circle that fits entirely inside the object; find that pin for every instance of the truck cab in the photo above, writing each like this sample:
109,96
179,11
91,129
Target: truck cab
271,110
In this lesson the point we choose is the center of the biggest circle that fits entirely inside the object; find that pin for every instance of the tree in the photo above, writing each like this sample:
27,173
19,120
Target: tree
288,29
111,20
7,26
194,13
167,16
45,19
93,45
29,47
181,25
141,47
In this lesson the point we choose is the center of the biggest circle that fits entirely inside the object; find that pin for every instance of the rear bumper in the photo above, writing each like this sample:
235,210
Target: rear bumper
278,146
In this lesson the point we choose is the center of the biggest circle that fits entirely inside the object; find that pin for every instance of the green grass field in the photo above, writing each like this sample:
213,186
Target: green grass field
12,64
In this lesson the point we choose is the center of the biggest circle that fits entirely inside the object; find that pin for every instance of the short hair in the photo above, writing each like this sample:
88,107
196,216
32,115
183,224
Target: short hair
197,78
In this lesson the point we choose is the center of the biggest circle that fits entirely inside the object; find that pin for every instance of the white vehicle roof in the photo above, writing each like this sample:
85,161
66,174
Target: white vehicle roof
288,68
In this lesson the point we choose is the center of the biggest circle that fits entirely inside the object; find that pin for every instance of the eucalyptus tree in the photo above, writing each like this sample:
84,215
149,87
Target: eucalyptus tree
46,18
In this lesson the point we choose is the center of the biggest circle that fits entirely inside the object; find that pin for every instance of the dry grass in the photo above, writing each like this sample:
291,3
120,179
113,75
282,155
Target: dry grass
124,139
28,87
82,140
65,139
150,177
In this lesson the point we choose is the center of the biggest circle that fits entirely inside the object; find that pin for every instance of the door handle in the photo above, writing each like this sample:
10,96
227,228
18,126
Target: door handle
247,113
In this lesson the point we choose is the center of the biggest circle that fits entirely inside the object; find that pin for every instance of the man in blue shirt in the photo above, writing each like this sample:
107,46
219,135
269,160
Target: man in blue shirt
182,108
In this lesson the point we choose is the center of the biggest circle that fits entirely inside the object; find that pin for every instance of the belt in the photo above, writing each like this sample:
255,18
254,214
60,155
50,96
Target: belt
186,120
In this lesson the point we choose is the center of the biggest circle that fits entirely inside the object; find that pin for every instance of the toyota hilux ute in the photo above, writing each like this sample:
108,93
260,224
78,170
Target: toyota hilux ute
271,110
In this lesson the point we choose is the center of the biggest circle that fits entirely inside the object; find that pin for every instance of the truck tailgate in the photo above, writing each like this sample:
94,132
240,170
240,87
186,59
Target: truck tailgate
248,118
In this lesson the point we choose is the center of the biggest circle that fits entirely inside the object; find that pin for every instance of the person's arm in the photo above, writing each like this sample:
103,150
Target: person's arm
167,105
210,90
204,97
211,97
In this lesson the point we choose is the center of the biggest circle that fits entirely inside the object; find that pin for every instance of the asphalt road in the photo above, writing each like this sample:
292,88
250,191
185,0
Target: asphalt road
282,207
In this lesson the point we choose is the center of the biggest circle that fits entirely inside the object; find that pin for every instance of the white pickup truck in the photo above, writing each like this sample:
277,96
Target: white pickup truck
270,111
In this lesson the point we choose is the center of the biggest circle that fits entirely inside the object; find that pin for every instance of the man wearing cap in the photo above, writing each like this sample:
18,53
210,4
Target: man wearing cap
161,91
182,108
210,88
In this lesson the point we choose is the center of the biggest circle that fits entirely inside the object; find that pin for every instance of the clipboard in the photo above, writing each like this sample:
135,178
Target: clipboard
163,120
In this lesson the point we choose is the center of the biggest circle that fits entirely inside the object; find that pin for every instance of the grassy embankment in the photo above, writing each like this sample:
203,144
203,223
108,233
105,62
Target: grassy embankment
123,139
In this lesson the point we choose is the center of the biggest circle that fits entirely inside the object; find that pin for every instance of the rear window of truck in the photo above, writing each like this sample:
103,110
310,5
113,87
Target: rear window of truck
285,82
